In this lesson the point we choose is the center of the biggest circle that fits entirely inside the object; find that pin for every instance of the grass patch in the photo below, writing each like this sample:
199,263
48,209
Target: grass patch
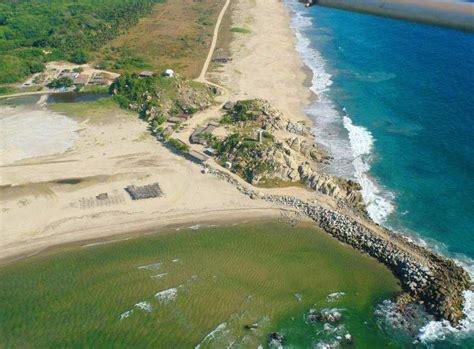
240,30
234,274
175,35
278,183
7,90
101,110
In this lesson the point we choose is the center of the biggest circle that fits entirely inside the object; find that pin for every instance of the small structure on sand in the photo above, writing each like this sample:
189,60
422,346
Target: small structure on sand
199,136
146,74
222,60
210,151
167,131
214,123
81,80
175,120
184,117
102,196
144,192
197,156
260,135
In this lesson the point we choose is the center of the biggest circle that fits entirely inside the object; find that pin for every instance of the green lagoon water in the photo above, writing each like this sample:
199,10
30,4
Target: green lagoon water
216,280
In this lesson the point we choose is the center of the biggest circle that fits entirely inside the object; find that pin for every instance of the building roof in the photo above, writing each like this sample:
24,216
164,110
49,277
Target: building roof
175,120
198,156
81,80
70,75
98,81
184,116
209,129
168,131
214,123
146,73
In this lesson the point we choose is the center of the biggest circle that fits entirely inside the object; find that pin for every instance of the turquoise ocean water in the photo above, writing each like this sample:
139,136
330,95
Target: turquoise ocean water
396,110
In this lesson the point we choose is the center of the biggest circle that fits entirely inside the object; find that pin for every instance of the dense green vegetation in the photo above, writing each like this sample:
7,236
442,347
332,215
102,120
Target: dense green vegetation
265,273
61,82
240,30
34,32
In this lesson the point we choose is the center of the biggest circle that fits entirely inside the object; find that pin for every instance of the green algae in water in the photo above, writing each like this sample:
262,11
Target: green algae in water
215,280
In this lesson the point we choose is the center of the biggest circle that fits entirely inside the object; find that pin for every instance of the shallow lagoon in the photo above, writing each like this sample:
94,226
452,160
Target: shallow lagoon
232,276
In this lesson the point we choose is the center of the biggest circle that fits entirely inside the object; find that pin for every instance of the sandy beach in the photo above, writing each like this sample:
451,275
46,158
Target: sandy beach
265,63
42,201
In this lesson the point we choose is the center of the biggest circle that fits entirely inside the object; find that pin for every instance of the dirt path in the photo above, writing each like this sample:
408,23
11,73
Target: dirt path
202,76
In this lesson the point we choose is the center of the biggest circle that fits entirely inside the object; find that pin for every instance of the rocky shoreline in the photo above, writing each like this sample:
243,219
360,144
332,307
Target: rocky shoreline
428,278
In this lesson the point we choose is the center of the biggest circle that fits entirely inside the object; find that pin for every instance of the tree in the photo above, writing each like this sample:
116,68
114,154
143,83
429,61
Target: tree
80,56
61,82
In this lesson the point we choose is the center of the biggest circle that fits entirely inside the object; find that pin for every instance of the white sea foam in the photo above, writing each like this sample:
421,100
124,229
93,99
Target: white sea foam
126,314
211,335
334,296
167,296
145,306
351,149
361,140
154,266
351,146
158,276
440,330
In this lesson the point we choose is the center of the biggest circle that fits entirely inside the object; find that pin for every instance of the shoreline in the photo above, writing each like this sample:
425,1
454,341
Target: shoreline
171,223
124,152
421,271
377,193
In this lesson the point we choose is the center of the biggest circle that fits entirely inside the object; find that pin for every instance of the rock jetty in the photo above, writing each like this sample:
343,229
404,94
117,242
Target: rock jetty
430,279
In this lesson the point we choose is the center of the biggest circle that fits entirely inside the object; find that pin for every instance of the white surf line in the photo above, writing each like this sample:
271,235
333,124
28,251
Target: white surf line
334,296
106,242
167,296
154,266
211,334
144,305
158,276
125,314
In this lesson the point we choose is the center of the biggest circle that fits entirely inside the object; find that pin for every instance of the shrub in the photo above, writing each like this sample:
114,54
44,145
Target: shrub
80,56
61,82
122,101
177,145
240,30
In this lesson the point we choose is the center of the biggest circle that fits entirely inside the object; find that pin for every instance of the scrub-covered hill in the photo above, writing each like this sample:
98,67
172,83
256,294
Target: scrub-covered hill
34,32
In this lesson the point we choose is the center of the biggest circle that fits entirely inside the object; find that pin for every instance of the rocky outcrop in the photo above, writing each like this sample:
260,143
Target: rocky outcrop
292,157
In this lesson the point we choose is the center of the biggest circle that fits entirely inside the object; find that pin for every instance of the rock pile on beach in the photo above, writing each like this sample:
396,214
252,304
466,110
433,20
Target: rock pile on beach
432,280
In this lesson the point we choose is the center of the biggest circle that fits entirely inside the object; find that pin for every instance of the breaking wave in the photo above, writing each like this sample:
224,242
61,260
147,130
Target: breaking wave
350,145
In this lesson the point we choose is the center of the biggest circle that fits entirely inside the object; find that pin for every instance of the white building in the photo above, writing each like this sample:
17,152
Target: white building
169,73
